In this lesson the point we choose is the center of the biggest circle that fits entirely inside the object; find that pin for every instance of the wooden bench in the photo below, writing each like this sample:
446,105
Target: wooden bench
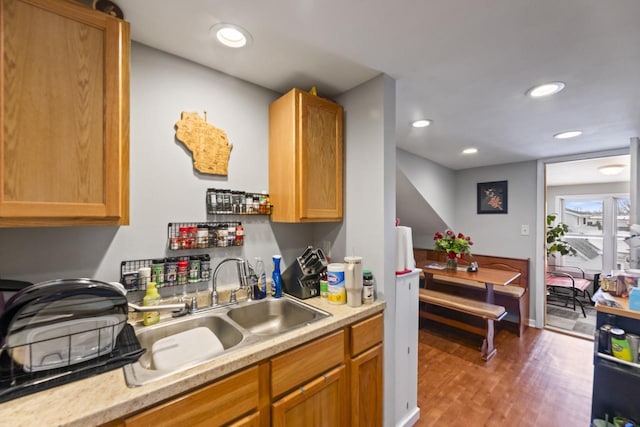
515,297
485,311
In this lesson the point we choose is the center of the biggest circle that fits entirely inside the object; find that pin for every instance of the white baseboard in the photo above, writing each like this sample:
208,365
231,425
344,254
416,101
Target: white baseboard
410,419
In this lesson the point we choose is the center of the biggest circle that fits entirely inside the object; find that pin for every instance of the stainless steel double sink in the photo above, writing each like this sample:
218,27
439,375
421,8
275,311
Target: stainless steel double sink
235,326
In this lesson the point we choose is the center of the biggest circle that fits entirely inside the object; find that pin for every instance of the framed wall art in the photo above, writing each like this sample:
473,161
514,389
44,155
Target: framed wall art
493,197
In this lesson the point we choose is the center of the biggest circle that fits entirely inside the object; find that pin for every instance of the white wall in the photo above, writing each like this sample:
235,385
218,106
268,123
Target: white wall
499,234
435,184
370,200
164,186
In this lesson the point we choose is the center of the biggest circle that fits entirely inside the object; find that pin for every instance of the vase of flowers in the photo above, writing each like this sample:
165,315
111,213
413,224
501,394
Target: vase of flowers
456,246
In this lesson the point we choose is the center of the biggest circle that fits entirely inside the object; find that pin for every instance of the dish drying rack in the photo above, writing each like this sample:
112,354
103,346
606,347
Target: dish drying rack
28,368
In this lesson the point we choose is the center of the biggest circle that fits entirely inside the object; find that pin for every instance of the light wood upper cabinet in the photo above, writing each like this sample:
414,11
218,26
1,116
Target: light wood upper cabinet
64,147
305,158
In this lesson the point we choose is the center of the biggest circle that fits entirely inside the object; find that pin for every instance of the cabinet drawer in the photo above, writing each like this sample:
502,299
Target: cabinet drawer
366,334
216,404
306,362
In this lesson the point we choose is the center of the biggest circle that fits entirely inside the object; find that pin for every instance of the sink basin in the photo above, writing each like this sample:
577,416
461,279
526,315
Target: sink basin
235,326
143,371
274,315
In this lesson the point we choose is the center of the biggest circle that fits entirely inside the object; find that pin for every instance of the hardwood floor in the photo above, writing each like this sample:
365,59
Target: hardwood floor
542,379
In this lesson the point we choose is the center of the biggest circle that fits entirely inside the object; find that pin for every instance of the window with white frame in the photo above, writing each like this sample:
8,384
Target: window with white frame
598,226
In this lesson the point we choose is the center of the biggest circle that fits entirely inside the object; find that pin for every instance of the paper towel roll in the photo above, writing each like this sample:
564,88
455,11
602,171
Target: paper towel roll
404,250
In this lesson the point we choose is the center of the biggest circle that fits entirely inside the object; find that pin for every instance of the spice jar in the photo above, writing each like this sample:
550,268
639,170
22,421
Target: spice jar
202,236
205,267
171,271
194,269
157,272
239,240
183,272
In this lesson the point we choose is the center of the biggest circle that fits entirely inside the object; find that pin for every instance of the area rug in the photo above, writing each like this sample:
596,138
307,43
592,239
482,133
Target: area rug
573,321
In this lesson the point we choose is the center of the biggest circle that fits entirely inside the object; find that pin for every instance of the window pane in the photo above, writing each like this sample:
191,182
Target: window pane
589,255
584,216
622,255
623,210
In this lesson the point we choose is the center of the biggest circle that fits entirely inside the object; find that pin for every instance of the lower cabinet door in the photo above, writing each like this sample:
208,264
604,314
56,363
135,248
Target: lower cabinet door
320,402
212,405
252,420
366,388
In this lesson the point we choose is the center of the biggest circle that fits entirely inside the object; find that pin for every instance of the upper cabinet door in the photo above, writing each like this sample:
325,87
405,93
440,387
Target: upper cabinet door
305,158
64,148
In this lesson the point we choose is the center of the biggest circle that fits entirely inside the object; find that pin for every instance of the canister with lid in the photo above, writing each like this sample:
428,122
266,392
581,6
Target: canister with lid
620,345
336,292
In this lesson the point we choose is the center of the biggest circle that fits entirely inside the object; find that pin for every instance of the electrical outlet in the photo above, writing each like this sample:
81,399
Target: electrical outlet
524,230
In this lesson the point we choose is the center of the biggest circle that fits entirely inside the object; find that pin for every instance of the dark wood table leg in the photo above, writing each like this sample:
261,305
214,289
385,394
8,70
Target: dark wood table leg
488,350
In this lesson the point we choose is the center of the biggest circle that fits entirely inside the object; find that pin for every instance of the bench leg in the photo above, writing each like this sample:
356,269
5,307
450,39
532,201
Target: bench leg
488,350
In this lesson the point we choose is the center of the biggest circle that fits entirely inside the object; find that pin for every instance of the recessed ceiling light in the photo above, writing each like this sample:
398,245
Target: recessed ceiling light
568,134
421,123
546,89
611,169
231,35
470,151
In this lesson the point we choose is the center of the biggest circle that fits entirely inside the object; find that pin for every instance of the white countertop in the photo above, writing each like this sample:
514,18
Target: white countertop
96,400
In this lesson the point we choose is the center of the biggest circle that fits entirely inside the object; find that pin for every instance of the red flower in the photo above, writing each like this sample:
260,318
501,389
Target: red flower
449,232
451,255
460,236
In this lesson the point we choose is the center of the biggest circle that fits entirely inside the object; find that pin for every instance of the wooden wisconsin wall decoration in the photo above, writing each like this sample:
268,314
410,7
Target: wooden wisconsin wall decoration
209,145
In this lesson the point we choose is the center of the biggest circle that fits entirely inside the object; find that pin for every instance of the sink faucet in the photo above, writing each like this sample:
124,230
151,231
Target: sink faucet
244,275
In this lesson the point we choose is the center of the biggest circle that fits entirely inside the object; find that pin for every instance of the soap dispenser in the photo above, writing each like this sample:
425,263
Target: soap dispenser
152,297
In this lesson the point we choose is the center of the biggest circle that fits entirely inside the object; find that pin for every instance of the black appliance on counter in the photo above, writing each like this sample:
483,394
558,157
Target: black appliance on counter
302,278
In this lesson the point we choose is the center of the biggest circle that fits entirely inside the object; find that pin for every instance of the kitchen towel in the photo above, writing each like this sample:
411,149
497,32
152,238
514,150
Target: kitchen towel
404,250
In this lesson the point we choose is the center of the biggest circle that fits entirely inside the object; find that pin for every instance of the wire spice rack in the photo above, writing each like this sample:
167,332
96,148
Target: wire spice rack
135,275
203,235
232,202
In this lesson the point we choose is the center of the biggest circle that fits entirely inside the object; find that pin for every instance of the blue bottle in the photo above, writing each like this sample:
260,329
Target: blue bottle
276,285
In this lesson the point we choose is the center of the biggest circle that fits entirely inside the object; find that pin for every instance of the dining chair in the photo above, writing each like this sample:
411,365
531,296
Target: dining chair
569,283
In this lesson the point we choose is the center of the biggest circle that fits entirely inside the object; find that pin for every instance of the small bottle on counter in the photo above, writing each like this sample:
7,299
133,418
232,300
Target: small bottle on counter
261,289
152,297
276,286
367,287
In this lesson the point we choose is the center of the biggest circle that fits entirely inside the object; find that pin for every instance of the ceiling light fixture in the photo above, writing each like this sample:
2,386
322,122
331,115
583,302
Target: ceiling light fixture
611,169
470,151
546,89
423,123
568,134
231,35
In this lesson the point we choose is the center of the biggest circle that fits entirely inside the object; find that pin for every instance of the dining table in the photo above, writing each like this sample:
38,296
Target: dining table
490,277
